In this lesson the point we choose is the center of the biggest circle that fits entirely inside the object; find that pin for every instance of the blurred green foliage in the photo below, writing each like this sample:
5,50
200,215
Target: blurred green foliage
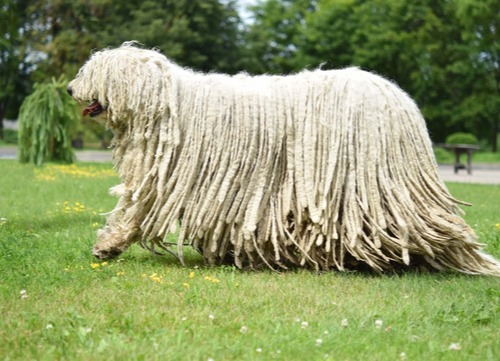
443,53
11,136
461,138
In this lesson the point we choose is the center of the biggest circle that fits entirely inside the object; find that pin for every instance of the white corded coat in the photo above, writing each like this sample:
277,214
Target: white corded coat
318,168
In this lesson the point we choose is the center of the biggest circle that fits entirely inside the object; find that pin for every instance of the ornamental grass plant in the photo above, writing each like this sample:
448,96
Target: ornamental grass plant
47,118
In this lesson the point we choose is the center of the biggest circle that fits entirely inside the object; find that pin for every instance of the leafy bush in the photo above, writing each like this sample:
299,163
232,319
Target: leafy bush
443,155
461,138
10,136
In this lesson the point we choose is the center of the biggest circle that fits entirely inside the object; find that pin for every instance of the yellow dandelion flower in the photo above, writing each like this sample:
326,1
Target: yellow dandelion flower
498,225
104,263
153,275
120,273
144,275
191,275
186,285
94,265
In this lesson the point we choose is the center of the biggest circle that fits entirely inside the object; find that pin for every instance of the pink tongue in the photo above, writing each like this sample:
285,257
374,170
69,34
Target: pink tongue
90,108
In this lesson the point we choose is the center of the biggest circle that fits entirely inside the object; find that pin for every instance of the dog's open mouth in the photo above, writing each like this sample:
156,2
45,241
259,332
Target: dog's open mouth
95,109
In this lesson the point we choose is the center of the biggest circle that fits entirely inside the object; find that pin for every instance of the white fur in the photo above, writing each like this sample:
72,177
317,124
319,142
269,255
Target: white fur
320,168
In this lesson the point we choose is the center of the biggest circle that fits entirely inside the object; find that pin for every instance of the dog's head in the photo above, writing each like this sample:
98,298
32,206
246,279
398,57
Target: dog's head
123,84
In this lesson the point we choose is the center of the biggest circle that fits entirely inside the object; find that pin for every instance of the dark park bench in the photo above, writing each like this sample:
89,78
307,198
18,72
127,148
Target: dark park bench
460,149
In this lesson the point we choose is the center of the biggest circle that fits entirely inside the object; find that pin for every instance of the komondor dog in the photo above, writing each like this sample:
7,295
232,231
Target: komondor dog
325,169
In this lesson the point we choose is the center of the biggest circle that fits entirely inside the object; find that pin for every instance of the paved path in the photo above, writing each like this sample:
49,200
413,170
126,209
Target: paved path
82,156
481,173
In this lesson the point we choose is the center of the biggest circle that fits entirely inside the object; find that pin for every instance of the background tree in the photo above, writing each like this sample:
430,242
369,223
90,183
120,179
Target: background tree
66,32
480,28
205,35
445,54
14,63
276,34
198,33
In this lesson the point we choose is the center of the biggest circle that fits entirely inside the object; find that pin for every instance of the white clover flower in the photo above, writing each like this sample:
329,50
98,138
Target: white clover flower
326,332
304,324
49,326
402,355
243,329
184,318
344,322
319,342
378,323
210,359
297,320
455,346
89,330
211,317
259,350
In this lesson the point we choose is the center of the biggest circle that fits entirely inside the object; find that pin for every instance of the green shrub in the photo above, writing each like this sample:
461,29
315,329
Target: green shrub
10,136
443,155
461,138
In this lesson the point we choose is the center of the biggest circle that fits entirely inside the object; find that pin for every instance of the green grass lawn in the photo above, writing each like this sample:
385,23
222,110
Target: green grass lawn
139,307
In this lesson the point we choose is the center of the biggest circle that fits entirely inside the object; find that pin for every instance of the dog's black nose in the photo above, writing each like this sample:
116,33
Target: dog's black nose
70,91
